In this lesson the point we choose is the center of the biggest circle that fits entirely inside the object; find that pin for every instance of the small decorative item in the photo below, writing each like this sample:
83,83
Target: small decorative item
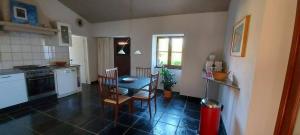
239,37
168,81
23,13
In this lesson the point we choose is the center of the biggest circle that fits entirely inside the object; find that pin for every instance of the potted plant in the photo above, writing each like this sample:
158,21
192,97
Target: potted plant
168,81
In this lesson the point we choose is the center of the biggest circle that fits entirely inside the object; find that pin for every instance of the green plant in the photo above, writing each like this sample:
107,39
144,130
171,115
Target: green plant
168,78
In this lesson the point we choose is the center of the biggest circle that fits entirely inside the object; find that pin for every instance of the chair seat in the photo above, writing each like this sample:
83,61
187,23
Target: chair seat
122,99
122,91
142,95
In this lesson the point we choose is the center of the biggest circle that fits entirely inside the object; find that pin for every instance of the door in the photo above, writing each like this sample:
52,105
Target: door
288,121
122,55
78,56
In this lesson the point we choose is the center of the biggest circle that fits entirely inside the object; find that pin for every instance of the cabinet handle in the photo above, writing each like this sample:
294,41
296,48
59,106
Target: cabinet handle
4,77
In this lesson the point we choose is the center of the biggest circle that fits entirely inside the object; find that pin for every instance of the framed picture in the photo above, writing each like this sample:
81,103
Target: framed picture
23,13
239,37
20,13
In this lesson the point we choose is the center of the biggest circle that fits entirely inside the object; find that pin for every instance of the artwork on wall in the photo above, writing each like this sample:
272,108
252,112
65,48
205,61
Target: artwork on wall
239,37
23,13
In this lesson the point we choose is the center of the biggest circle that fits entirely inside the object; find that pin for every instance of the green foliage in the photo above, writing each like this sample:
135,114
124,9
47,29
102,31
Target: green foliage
168,79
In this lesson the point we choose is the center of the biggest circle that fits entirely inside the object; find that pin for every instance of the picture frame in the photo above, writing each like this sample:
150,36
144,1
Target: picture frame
23,13
240,37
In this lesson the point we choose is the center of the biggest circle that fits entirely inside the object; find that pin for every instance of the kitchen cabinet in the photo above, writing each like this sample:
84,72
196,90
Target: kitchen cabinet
64,34
13,90
66,81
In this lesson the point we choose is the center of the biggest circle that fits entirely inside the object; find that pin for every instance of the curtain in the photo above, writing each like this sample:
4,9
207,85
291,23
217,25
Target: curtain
105,54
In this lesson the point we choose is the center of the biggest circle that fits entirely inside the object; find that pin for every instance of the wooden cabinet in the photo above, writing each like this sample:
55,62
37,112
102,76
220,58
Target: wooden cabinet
13,90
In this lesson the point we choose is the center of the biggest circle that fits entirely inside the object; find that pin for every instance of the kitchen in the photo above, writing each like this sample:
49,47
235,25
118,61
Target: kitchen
35,62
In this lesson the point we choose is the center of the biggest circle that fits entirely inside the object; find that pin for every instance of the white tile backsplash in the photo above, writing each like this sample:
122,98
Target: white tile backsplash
17,49
6,56
17,56
5,48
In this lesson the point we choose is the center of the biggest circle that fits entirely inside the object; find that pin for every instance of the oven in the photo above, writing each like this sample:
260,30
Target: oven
40,86
40,81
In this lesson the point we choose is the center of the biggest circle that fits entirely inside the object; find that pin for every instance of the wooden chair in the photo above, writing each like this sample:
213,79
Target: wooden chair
113,73
148,95
143,72
108,88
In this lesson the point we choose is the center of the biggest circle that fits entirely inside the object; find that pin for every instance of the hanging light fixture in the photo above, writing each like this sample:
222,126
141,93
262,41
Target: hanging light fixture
123,44
138,52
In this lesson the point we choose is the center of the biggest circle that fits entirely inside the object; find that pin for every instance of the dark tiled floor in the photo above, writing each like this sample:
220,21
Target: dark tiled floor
81,114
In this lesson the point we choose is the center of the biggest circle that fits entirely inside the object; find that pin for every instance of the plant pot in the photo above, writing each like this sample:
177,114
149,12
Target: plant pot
167,94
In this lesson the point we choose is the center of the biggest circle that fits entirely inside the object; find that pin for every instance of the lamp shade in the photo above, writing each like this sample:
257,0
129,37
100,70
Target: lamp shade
137,52
121,52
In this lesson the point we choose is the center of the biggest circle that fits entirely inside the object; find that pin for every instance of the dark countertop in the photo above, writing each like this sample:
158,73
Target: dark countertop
10,71
58,67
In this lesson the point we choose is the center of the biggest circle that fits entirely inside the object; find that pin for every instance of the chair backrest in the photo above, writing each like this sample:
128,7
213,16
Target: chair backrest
153,84
143,72
112,72
108,87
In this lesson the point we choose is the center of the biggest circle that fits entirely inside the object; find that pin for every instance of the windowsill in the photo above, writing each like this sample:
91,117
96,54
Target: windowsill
169,67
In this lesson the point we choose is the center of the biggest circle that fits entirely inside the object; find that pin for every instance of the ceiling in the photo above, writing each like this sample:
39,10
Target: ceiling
112,10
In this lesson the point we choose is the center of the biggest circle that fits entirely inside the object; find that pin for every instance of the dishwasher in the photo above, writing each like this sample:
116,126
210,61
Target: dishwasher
66,81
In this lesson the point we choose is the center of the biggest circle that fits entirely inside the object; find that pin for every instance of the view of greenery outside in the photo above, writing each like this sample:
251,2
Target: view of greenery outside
176,44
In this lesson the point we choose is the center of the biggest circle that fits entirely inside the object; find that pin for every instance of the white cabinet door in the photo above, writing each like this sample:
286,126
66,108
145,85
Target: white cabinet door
13,90
66,81
64,34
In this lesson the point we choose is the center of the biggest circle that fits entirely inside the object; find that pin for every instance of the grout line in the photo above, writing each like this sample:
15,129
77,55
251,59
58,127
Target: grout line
64,121
131,126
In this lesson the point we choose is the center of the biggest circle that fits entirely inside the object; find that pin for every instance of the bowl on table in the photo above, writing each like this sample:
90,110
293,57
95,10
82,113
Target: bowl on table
128,79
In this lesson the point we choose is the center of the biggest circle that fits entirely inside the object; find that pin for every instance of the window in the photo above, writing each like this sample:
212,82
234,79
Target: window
169,51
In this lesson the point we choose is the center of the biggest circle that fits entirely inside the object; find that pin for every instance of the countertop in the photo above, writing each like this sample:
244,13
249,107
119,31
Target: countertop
16,71
10,71
58,67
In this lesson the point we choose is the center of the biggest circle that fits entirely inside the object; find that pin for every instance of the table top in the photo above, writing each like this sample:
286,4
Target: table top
139,83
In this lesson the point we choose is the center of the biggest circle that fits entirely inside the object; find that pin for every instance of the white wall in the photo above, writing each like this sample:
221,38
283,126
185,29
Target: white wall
56,11
260,74
204,34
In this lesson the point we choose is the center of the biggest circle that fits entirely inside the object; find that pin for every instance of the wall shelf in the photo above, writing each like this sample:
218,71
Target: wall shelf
225,83
14,27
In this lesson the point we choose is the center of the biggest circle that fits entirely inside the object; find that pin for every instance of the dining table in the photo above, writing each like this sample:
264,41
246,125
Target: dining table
134,86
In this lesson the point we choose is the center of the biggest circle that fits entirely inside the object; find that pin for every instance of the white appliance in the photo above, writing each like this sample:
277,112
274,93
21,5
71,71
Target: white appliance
66,81
13,90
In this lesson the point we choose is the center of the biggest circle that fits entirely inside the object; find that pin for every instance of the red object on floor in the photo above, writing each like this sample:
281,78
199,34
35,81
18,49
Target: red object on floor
210,120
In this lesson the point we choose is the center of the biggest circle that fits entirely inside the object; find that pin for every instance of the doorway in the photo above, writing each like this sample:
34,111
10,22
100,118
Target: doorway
288,119
79,56
122,55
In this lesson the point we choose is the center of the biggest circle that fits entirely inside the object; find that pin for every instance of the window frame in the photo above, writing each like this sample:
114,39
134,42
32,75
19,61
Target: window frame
169,52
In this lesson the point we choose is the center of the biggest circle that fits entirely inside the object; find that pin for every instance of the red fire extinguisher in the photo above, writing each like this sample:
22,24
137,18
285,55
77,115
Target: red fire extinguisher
210,117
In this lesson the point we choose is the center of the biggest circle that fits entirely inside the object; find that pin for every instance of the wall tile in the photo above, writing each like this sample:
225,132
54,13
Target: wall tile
18,63
7,64
18,49
17,56
6,57
4,40
27,56
5,48
26,49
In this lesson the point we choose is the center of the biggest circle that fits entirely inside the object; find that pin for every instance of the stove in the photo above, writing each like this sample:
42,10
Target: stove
40,81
